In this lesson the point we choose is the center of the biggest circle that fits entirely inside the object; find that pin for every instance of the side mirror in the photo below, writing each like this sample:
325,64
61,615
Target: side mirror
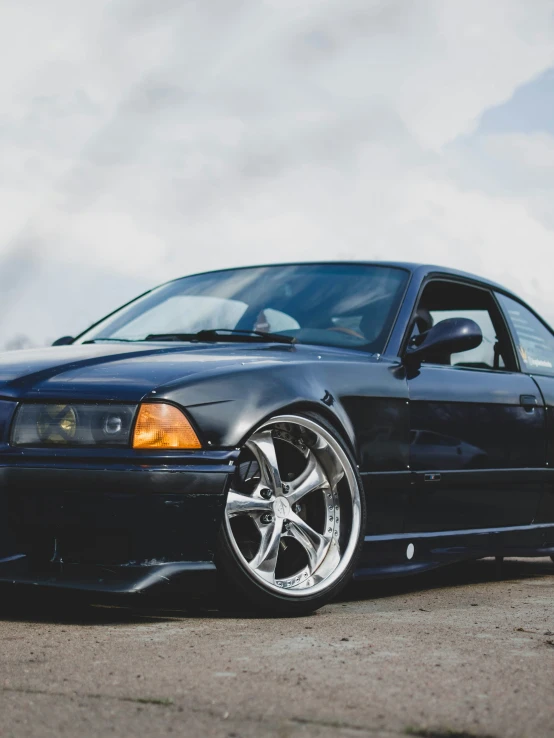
451,336
64,341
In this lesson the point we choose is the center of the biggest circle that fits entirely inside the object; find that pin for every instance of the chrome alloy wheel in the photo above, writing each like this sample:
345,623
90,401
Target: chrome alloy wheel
293,515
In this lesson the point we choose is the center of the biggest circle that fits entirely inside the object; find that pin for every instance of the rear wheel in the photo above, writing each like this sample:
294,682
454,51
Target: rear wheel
294,518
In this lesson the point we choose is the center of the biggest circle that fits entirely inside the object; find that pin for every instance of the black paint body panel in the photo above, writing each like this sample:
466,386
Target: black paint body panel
546,509
465,421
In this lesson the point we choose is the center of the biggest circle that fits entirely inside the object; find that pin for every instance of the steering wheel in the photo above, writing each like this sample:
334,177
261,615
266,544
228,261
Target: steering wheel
348,331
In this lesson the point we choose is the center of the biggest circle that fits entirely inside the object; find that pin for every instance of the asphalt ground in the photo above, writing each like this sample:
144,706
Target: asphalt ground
465,651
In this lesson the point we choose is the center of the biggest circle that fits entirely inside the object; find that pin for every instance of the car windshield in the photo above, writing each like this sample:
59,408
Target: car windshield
343,305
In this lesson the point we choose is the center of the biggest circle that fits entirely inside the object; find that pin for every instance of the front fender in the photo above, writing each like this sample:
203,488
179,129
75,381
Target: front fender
227,407
365,401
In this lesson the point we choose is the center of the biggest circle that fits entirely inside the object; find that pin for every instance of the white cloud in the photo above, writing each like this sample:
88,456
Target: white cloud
143,139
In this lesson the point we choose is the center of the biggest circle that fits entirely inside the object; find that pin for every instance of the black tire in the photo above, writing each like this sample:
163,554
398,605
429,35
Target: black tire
321,559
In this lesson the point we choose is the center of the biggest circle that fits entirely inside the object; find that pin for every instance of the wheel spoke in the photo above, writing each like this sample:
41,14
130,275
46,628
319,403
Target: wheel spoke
312,478
262,446
313,542
330,561
239,504
328,458
265,561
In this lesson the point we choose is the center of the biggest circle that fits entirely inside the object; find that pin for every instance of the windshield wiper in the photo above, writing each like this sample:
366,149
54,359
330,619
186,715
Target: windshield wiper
117,340
223,334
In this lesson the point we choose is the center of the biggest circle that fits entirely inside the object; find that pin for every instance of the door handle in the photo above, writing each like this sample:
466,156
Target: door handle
529,402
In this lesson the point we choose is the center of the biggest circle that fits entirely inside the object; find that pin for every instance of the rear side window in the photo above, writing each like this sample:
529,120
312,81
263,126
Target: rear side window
534,341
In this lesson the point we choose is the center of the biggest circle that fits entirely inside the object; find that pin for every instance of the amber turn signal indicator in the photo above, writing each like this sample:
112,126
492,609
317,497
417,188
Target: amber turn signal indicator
163,426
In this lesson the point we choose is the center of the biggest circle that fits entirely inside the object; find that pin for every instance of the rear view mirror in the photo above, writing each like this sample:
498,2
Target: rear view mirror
451,336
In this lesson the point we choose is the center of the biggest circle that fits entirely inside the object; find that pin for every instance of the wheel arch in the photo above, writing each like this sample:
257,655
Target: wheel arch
238,403
306,406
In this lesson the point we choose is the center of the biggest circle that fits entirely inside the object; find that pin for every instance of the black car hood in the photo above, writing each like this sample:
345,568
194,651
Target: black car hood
125,372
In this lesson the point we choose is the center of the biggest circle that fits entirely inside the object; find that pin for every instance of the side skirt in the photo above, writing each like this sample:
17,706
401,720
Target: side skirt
409,553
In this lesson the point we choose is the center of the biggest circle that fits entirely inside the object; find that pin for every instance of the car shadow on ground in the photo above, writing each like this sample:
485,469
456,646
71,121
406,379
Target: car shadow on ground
26,604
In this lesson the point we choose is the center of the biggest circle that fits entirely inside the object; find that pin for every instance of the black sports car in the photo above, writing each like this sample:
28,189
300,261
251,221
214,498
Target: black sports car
273,431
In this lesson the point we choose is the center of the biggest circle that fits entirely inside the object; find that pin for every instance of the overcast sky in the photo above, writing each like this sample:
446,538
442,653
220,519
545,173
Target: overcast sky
142,140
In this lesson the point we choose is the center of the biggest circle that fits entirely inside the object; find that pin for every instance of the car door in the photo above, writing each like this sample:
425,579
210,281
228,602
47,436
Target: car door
482,422
535,345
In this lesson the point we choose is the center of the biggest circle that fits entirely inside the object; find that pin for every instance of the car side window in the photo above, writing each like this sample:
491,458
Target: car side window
533,339
442,300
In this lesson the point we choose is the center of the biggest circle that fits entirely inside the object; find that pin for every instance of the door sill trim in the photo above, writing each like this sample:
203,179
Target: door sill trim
464,532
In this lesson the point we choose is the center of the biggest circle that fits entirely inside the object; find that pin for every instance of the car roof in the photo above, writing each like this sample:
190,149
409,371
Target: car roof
424,269
417,269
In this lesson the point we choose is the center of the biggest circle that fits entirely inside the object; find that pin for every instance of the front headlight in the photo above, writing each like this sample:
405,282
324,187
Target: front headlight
73,424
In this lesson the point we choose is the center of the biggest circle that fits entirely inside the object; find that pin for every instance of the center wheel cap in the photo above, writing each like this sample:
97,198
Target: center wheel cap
281,507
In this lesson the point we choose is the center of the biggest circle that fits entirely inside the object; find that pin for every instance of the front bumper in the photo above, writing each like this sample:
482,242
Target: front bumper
115,528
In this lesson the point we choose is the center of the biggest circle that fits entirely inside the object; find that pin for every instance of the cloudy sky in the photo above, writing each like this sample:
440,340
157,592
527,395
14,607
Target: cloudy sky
141,140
